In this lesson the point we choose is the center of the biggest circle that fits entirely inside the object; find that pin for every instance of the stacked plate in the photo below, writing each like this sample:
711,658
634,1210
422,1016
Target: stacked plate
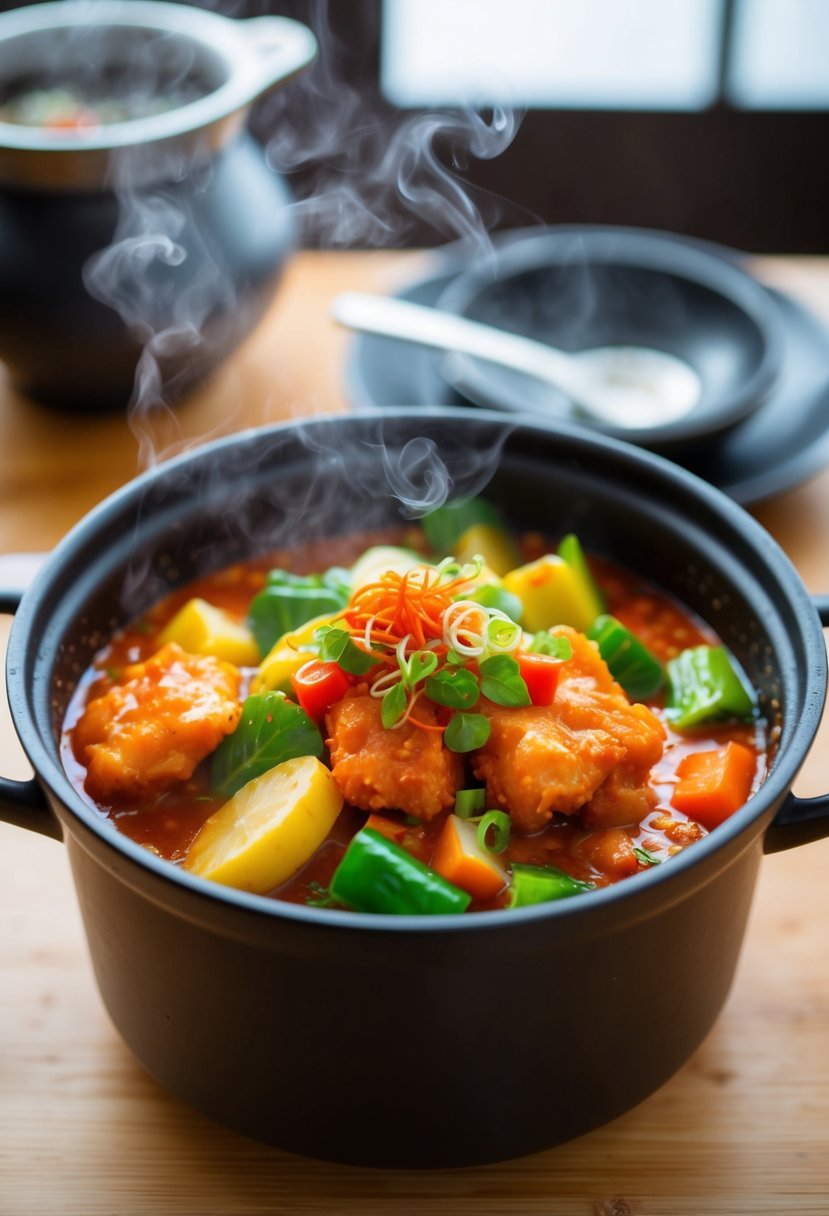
762,421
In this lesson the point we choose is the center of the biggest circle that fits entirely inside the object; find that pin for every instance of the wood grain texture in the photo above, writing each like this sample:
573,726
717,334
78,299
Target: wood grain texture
743,1128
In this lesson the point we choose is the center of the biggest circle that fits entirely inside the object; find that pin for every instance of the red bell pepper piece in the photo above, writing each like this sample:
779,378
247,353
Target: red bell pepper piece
540,673
317,685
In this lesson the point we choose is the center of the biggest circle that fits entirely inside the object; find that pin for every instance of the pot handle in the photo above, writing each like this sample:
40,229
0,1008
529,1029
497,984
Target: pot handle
23,803
801,820
283,47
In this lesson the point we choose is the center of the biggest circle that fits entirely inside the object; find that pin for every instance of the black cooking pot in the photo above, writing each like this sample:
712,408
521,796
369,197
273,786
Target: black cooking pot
164,233
403,1041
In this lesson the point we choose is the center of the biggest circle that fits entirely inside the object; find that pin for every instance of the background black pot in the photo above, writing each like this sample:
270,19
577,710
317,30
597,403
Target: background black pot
166,232
416,1042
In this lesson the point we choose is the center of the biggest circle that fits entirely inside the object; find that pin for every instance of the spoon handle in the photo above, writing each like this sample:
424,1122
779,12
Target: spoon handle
393,318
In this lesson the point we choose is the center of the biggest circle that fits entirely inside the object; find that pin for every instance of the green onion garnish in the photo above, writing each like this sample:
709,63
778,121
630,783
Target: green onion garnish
469,802
493,831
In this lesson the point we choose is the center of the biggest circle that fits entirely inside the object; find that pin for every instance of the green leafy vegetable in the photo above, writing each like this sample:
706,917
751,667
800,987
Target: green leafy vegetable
644,857
501,681
271,729
289,600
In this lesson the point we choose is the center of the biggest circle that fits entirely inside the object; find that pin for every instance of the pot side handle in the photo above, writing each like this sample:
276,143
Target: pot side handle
283,47
23,803
801,820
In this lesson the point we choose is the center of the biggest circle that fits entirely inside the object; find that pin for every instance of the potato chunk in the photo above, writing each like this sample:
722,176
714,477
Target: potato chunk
269,828
151,730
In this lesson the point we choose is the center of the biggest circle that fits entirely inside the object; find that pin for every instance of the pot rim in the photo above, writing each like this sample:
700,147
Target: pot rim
796,737
248,73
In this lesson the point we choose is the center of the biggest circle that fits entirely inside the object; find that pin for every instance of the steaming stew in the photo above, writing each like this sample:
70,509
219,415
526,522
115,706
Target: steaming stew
367,726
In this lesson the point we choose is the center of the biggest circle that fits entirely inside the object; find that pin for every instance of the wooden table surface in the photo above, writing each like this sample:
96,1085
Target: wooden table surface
743,1128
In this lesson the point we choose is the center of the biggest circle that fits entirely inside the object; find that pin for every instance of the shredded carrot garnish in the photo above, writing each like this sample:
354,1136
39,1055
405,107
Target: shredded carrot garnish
409,605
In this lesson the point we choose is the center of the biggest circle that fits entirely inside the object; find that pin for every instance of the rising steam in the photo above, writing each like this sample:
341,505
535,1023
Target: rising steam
374,181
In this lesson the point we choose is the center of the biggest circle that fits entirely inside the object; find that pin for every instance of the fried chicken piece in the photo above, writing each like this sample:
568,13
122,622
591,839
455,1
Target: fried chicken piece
151,730
405,769
539,761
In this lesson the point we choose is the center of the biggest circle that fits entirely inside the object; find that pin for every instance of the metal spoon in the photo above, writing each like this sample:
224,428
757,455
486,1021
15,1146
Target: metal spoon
626,386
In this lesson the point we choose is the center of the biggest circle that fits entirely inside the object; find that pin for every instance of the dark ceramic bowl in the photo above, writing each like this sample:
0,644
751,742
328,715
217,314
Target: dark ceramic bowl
407,1041
156,240
578,288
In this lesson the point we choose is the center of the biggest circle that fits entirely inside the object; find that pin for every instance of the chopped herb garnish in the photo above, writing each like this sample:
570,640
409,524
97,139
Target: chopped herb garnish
394,704
644,857
337,647
456,688
501,681
466,732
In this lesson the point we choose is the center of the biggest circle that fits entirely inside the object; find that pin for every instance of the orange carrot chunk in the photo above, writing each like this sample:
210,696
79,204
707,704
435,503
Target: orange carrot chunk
459,858
714,784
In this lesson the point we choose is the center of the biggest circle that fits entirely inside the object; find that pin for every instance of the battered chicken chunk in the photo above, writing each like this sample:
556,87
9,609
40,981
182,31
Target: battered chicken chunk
406,769
151,730
590,749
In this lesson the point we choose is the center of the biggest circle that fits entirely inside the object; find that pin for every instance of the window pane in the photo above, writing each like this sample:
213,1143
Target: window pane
781,55
585,54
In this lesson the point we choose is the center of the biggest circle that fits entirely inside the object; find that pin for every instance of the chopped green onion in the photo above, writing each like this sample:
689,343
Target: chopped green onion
502,682
644,857
502,634
631,664
376,875
541,884
447,524
466,732
469,802
493,831
706,685
548,644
